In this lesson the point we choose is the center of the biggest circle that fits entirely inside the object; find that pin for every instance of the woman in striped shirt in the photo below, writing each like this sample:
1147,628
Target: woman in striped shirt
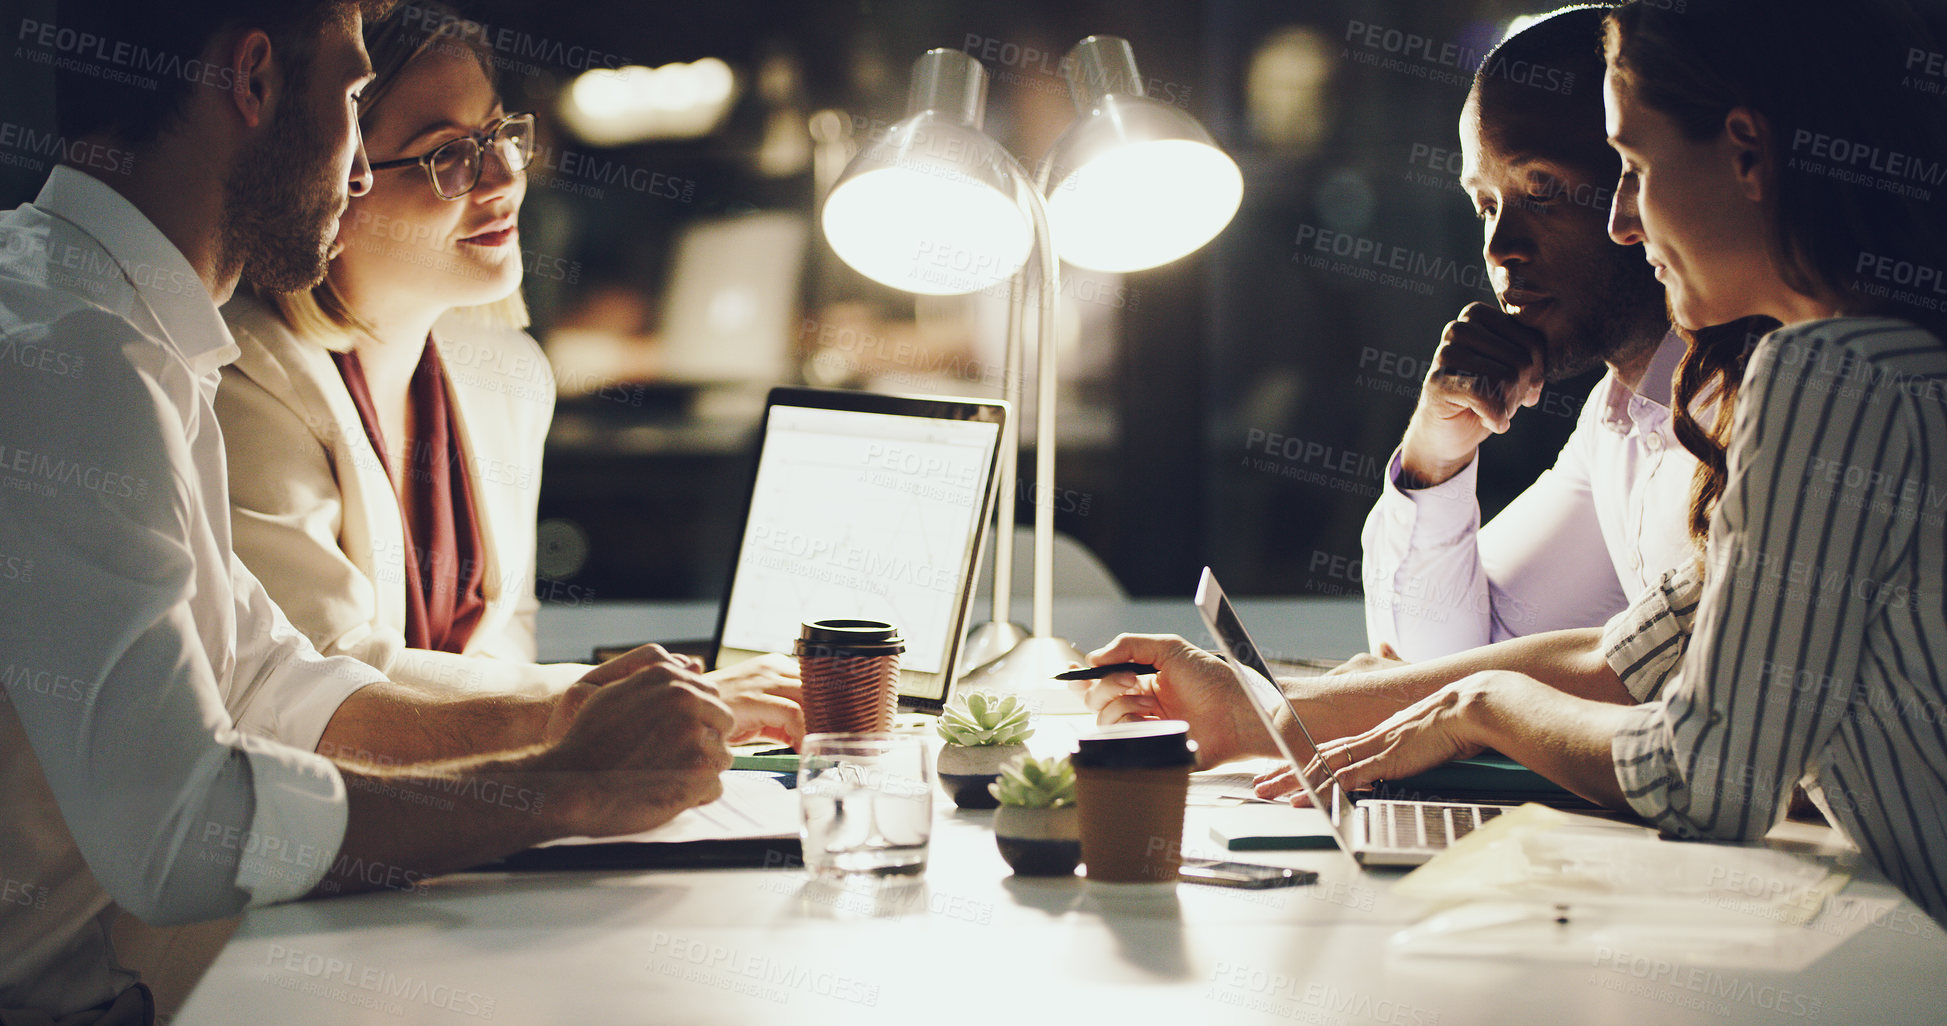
1760,185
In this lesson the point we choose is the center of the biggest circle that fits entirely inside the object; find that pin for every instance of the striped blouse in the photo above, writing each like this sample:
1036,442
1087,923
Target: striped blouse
1820,644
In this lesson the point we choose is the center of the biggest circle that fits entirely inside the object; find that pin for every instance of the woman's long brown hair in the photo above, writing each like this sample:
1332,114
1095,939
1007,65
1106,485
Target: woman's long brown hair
1712,367
1773,57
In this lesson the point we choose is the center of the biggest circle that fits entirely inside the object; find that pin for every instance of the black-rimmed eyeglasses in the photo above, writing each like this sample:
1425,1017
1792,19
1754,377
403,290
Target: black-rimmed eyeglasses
454,166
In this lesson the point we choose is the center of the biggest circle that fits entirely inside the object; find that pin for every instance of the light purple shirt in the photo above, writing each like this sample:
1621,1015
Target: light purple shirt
1604,523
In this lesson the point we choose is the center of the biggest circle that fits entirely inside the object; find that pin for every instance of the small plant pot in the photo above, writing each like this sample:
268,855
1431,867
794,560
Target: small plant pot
1039,842
966,771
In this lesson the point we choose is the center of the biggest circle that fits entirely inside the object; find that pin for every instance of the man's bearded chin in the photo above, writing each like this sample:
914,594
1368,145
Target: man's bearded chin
1624,317
278,223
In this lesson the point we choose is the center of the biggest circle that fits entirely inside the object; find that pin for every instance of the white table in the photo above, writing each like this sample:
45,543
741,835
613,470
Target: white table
973,944
1286,628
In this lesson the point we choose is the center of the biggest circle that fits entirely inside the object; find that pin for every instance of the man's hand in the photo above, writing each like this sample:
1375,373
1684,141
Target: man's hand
1488,366
766,696
568,703
642,749
1190,685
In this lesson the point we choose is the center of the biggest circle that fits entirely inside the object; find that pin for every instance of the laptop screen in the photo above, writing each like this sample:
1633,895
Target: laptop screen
1256,680
864,507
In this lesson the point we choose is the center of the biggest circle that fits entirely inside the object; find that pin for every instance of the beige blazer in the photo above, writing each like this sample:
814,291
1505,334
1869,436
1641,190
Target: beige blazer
315,517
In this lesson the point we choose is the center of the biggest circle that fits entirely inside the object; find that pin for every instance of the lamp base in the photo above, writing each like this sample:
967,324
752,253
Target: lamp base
988,642
1027,672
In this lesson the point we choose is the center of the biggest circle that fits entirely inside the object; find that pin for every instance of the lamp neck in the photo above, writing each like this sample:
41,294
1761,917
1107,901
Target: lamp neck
1100,65
951,84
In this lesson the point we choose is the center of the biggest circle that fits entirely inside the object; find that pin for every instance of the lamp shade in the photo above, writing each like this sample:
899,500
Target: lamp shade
1133,183
930,207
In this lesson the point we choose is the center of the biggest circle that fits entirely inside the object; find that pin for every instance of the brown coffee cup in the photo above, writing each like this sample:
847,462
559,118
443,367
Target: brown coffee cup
1131,783
850,673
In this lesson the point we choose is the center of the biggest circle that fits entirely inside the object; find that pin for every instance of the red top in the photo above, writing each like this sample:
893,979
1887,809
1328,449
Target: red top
444,569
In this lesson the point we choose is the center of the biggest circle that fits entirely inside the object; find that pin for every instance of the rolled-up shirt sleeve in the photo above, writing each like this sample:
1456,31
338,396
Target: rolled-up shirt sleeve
1796,581
177,812
1644,644
282,689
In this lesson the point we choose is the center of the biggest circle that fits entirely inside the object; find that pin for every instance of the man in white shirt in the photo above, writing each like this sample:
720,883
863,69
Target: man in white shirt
1610,518
160,715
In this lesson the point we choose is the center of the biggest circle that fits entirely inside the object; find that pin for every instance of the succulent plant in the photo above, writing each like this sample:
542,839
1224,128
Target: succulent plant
980,720
1031,783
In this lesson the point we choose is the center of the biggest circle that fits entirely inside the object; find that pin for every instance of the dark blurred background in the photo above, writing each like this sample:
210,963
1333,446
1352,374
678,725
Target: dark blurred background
1236,408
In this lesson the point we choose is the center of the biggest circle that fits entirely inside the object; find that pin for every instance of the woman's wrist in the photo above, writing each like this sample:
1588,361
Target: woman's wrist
1490,705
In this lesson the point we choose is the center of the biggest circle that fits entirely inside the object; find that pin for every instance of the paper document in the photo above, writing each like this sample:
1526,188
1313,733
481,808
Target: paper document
754,805
1537,883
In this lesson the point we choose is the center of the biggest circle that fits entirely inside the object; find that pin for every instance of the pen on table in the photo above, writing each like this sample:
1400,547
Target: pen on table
1099,672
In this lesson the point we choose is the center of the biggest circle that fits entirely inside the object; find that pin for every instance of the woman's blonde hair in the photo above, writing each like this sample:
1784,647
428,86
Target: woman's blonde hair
411,31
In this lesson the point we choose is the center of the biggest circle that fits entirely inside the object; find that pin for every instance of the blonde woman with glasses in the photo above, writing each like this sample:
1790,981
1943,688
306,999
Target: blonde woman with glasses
385,429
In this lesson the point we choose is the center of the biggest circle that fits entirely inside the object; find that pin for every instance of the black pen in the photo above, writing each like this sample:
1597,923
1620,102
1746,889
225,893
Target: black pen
1099,672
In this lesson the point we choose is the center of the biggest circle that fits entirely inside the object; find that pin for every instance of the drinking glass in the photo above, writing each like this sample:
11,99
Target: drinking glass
867,800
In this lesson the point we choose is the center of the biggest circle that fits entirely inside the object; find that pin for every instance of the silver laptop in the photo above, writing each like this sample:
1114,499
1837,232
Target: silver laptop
865,506
1374,831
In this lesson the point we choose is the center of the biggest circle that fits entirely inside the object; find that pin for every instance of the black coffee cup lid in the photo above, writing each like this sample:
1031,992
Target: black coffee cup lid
1142,745
864,637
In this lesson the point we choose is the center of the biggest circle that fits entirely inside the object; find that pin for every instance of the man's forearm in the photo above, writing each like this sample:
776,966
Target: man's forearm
1568,661
391,724
402,829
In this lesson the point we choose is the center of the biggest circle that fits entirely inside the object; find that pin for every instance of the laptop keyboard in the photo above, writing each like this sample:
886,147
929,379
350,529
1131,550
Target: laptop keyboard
1422,826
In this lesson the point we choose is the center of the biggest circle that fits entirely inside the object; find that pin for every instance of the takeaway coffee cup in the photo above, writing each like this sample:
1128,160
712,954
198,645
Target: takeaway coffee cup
1131,783
850,671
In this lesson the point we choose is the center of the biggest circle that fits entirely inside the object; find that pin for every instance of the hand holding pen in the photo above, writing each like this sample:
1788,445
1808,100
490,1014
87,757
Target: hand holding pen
1156,676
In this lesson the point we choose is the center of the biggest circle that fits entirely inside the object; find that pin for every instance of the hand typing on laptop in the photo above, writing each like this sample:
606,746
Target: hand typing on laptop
765,696
762,694
1437,729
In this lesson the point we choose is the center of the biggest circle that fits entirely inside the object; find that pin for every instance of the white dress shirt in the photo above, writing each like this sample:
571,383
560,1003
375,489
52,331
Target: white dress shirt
1605,522
155,746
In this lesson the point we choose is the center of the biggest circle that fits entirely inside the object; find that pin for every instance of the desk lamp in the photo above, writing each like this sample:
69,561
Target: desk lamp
1132,184
937,207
